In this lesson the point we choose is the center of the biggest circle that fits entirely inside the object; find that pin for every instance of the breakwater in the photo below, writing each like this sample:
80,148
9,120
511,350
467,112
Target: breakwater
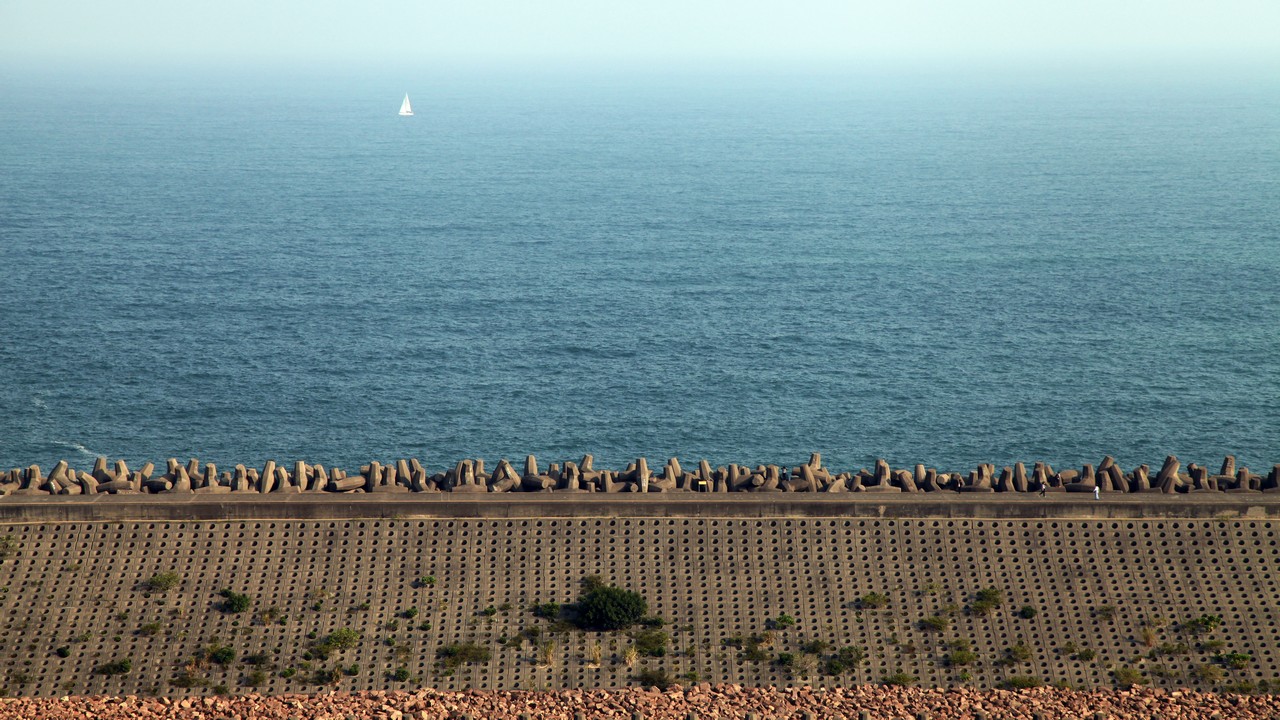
409,475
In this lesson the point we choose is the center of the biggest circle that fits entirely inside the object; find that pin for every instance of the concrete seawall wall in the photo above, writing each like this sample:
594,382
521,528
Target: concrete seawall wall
1095,572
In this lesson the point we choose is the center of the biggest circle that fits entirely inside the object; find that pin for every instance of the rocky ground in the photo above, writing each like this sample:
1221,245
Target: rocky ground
706,701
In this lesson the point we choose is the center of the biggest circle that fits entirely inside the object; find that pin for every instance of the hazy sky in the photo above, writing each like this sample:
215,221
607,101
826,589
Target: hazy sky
632,30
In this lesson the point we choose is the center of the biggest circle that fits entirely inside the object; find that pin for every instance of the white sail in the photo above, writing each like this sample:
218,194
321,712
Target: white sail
405,107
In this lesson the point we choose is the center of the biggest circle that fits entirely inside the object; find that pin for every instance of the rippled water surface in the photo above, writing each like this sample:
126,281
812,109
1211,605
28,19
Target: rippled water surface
742,269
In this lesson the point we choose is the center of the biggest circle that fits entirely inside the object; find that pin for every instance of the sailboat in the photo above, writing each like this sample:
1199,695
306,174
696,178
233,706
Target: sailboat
405,107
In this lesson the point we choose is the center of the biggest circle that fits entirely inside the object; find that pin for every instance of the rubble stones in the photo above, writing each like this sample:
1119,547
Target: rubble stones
702,700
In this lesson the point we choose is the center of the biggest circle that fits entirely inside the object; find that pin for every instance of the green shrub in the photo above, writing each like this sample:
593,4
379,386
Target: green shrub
847,658
1240,687
255,678
162,582
1027,612
815,647
782,622
1202,625
8,546
1235,660
1021,682
985,601
256,659
489,611
220,654
451,656
425,581
660,679
1179,648
409,613
234,602
115,667
336,641
591,582
1017,653
400,674
1207,673
958,644
150,629
1086,655
1210,646
610,608
651,643
900,679
873,601
960,657
785,659
1126,676
935,623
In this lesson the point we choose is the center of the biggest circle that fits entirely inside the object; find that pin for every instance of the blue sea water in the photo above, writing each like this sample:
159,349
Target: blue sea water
948,269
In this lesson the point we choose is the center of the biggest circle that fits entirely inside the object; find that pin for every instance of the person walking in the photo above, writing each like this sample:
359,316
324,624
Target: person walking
1044,485
1097,493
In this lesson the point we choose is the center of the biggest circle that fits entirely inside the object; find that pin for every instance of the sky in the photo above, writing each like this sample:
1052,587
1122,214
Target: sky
636,31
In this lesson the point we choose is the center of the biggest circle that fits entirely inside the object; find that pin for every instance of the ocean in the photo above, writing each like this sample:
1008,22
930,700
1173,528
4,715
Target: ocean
946,269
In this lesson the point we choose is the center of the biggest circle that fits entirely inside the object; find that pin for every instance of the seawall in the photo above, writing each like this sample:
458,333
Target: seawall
1107,583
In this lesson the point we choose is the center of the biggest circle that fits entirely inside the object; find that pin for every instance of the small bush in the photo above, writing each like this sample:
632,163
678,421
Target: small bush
935,623
610,608
1105,612
162,582
899,679
847,658
115,667
591,582
409,613
1126,676
255,678
1148,636
873,601
400,674
1179,648
1021,682
336,641
1202,625
1086,655
63,651
150,629
958,644
425,581
782,622
234,602
660,679
8,546
188,679
958,658
1207,673
1017,653
1210,646
1027,612
489,611
804,665
220,654
651,643
985,601
547,610
1235,660
451,656
815,647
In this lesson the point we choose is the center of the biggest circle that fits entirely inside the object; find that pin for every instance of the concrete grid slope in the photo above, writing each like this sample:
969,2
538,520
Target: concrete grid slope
72,598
